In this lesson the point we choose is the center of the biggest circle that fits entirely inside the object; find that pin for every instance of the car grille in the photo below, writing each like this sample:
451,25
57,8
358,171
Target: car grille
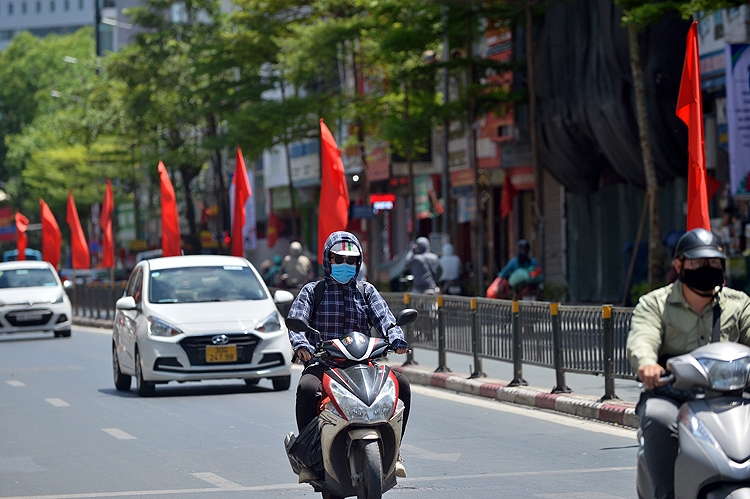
17,319
195,347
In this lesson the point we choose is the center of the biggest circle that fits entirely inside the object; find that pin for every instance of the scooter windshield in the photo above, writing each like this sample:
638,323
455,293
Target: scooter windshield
362,380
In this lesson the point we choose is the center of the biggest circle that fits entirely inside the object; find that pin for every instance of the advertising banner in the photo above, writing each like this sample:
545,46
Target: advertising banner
738,116
7,225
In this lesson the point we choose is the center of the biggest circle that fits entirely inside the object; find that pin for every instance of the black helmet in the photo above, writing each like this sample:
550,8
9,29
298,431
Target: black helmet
523,247
699,243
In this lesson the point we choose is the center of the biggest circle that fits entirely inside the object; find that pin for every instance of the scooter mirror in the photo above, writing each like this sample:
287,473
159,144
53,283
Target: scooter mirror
406,316
299,324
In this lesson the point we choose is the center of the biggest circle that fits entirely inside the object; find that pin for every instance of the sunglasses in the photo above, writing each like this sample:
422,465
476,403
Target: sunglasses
351,260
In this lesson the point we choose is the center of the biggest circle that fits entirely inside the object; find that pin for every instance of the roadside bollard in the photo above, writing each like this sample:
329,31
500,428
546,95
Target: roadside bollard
409,337
517,349
476,342
442,367
608,353
557,351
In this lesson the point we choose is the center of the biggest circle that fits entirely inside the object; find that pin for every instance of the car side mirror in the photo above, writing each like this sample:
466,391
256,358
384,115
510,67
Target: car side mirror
282,297
126,303
406,317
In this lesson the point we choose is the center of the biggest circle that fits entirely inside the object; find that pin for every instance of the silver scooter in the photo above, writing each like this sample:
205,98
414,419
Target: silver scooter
360,418
713,461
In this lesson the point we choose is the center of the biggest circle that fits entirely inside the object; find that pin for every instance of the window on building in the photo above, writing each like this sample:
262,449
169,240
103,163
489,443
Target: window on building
80,4
66,5
24,8
719,25
38,7
10,8
52,5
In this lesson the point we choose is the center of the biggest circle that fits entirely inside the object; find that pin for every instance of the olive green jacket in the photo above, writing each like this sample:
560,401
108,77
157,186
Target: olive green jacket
664,324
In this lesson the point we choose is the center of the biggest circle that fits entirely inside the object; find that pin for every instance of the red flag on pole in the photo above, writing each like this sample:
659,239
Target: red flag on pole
275,226
79,250
333,211
105,222
51,236
22,240
506,199
690,110
242,193
170,219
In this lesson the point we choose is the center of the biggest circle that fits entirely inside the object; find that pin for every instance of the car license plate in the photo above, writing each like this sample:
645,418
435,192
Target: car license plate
221,354
28,316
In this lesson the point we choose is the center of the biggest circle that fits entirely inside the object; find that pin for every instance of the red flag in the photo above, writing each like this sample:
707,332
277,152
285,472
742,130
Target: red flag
506,199
333,211
275,226
22,223
79,250
242,193
170,219
690,110
105,222
51,236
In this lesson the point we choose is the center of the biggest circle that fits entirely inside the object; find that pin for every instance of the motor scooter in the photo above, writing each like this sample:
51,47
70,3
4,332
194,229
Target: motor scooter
713,461
360,417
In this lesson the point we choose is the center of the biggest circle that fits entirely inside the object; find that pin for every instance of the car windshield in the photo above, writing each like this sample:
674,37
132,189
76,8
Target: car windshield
205,284
26,278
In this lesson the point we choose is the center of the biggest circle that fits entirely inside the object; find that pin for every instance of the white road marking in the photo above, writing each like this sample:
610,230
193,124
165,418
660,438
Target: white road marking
530,412
579,495
214,479
433,456
303,486
13,382
58,402
119,434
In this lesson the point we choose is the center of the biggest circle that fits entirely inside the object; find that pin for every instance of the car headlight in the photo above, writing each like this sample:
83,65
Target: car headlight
356,411
57,299
157,327
726,376
696,428
269,324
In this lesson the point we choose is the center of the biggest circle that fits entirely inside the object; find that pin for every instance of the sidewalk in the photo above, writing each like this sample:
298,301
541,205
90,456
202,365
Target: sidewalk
586,405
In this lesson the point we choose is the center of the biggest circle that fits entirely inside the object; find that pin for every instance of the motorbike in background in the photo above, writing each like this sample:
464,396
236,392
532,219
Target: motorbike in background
354,443
714,449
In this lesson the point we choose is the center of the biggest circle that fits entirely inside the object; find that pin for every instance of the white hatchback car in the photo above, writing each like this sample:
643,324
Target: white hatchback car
32,298
199,317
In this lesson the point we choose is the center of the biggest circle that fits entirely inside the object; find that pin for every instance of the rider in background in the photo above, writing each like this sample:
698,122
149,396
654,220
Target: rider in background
674,320
342,309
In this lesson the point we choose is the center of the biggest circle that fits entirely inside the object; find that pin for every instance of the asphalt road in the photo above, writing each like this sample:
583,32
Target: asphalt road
66,433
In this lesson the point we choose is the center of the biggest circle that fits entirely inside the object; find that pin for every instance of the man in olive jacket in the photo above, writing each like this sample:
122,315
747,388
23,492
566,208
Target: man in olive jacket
676,319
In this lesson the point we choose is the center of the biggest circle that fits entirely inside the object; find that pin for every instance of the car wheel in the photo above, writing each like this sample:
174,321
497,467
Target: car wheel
252,381
63,333
122,381
145,388
282,383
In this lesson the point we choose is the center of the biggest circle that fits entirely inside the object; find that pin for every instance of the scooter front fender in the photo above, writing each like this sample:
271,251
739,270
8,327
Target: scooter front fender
730,492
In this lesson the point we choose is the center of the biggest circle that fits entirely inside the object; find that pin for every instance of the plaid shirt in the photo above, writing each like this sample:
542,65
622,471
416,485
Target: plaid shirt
343,308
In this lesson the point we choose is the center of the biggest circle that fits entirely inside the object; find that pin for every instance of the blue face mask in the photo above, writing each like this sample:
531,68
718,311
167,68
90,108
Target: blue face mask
343,272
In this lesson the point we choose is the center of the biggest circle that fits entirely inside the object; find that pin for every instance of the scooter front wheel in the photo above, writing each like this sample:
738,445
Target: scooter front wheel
371,485
326,495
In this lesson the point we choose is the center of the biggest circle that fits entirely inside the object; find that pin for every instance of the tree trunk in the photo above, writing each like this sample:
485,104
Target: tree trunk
188,173
655,251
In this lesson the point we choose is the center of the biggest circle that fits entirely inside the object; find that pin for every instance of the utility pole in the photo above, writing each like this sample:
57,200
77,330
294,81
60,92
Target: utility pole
446,127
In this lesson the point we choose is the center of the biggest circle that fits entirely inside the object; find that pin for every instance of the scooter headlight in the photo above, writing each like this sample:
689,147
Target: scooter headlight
696,428
356,411
726,376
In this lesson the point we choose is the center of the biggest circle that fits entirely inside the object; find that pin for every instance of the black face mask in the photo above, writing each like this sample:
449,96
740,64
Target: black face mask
703,280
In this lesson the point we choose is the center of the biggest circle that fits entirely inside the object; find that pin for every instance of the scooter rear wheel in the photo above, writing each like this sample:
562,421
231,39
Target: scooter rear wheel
371,486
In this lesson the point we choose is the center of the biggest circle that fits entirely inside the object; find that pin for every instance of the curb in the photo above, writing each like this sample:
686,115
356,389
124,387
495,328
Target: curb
91,322
615,412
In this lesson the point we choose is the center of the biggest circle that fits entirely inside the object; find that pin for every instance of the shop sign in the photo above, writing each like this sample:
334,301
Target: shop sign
382,201
462,177
422,202
207,240
362,211
738,117
138,245
466,209
522,178
513,154
378,166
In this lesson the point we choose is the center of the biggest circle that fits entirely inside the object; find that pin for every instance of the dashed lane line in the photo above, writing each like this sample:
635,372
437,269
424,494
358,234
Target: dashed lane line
58,402
214,479
301,486
14,382
119,434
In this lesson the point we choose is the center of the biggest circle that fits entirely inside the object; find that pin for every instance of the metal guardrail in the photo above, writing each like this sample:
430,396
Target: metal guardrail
566,338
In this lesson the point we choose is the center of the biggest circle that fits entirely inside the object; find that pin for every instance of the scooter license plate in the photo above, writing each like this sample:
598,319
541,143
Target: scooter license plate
226,353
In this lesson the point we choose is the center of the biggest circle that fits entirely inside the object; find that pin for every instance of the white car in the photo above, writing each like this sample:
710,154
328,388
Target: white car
199,317
32,298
